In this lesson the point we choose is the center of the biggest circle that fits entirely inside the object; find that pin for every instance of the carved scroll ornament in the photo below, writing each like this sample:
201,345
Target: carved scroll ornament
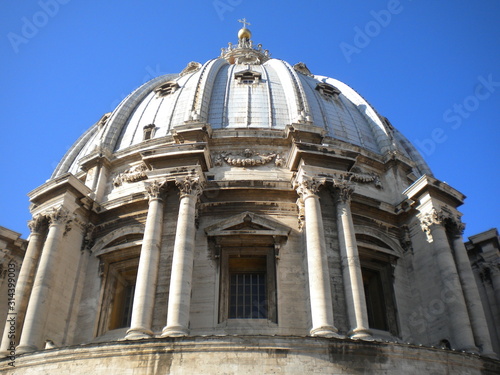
134,174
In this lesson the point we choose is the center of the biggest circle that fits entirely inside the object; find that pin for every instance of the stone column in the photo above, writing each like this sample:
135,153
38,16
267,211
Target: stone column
38,306
494,269
351,267
317,262
24,283
458,317
179,298
471,292
147,273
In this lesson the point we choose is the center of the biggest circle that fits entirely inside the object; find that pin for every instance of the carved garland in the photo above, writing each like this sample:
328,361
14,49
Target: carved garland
248,158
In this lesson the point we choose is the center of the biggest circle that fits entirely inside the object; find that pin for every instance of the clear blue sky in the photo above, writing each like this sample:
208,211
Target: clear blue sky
431,67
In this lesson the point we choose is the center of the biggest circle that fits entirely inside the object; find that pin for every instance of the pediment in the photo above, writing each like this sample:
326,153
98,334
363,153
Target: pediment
247,223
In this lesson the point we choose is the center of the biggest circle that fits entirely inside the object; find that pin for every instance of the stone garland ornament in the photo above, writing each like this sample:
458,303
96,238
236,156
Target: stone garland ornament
247,158
134,174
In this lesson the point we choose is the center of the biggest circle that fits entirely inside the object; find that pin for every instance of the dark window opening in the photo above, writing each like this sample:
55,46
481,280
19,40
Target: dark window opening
247,283
247,77
328,90
247,288
167,88
375,299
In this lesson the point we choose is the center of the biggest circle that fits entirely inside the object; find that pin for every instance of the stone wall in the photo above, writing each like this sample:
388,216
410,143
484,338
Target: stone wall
249,355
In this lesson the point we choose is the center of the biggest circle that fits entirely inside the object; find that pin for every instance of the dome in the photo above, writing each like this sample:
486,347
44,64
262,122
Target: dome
245,89
247,216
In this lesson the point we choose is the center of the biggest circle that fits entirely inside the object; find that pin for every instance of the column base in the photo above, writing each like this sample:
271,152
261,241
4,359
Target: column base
138,333
491,355
175,331
325,331
21,349
360,334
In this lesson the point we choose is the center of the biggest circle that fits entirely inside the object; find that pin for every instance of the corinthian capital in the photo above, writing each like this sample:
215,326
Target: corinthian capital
156,189
343,190
308,186
36,224
57,215
189,185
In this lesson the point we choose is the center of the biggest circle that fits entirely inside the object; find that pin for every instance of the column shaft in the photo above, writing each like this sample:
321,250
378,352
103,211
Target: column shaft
351,271
461,331
147,273
179,298
317,267
471,294
38,306
23,289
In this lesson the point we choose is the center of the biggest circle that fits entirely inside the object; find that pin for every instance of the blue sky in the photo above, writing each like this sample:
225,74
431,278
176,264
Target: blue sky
431,67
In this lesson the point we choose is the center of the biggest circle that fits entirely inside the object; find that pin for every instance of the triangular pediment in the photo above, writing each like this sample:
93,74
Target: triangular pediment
247,223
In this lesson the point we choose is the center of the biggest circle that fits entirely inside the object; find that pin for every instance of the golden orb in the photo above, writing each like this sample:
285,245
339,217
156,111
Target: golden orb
244,33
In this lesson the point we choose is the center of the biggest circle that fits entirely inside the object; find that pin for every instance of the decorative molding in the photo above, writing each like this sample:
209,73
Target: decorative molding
189,186
405,238
89,237
191,67
156,189
301,217
133,174
279,161
246,158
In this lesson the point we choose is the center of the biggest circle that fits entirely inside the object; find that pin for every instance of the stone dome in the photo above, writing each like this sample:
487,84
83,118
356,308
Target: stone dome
244,89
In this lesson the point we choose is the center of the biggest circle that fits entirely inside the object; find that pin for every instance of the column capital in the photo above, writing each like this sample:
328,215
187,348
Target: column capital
37,223
442,218
156,189
308,186
343,191
57,215
189,186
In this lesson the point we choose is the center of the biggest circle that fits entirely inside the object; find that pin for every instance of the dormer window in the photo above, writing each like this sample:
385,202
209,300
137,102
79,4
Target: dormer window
166,88
248,77
149,131
328,90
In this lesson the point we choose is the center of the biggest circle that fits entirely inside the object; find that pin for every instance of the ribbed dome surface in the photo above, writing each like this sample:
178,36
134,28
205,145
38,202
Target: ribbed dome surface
232,94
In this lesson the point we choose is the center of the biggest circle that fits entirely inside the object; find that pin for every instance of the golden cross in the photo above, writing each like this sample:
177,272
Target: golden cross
244,22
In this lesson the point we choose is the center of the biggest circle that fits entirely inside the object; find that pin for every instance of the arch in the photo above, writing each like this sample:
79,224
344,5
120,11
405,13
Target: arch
381,236
100,245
